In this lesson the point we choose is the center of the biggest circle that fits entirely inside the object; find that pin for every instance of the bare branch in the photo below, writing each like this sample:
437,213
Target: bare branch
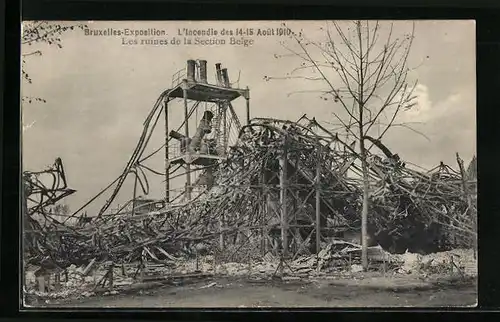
406,125
36,52
412,129
305,91
373,73
310,59
268,78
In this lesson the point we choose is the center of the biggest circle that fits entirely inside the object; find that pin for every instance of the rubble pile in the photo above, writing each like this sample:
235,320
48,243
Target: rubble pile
75,281
461,261
340,257
409,210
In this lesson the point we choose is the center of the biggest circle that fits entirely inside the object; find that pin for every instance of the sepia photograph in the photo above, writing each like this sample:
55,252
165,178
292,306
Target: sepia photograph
248,164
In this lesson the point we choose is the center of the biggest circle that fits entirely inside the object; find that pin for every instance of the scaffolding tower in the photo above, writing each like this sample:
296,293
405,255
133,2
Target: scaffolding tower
198,152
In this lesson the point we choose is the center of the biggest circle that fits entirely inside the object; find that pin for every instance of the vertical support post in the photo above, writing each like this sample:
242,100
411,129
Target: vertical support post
57,282
318,199
197,260
110,276
167,157
263,212
221,233
41,283
186,133
469,200
238,234
384,268
247,98
283,199
142,268
249,266
135,195
216,254
225,138
268,212
475,238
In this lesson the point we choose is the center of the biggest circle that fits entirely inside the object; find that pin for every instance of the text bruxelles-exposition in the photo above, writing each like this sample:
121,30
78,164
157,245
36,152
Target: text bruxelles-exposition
240,33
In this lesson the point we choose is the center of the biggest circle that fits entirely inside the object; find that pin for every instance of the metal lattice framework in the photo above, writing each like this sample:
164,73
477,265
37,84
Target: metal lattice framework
282,187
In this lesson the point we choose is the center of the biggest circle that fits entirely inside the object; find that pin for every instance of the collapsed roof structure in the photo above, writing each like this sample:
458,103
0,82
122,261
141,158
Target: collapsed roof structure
283,186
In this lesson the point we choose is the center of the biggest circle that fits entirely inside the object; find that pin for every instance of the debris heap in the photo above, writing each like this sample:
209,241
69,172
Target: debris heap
276,167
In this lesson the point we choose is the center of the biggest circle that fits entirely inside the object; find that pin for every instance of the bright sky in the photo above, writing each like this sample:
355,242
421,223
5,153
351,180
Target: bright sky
99,92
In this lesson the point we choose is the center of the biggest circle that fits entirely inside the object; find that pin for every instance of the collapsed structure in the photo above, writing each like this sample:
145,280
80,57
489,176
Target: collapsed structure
270,186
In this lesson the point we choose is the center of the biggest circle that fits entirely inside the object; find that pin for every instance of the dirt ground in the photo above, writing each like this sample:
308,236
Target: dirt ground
234,293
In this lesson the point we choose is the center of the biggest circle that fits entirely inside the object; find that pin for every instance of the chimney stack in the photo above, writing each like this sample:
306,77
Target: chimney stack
219,74
203,71
190,70
225,78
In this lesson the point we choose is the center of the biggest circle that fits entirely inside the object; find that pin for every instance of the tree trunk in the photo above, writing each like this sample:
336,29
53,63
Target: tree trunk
364,165
364,212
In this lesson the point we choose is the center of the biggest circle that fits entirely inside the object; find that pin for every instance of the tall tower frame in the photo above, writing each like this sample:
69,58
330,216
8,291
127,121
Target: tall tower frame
192,151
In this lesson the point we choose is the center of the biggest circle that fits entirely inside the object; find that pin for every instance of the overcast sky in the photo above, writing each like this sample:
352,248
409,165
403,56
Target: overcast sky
99,92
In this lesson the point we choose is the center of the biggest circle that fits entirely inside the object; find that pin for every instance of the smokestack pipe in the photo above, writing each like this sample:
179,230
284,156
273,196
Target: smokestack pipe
225,78
203,71
204,128
190,70
219,74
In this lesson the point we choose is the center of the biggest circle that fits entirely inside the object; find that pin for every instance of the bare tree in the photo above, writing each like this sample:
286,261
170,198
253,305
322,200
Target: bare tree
364,71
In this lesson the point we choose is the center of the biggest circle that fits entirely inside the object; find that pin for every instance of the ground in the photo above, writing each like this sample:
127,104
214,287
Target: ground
232,292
